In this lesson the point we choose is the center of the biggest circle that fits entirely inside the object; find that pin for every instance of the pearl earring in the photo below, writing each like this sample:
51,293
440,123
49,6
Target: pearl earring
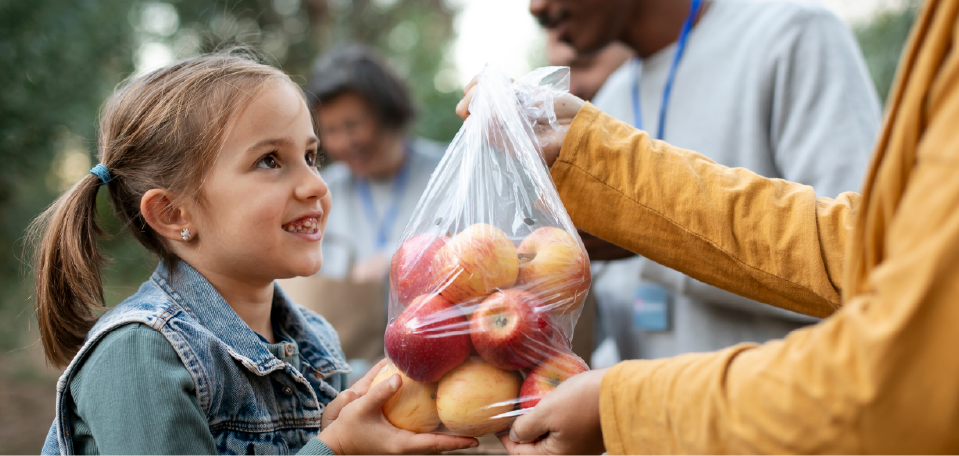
185,234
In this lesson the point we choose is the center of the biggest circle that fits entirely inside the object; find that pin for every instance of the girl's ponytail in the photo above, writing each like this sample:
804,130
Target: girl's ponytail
67,270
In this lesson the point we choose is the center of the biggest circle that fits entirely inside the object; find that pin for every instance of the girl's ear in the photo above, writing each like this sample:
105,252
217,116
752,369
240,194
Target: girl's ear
165,218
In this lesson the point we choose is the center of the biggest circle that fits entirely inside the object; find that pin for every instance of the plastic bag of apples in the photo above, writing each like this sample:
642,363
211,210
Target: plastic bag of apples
488,282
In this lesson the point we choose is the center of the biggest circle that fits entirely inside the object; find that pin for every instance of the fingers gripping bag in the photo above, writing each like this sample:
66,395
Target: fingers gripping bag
490,276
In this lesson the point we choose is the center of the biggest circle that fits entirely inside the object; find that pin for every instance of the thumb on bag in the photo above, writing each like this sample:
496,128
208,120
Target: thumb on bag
379,394
529,427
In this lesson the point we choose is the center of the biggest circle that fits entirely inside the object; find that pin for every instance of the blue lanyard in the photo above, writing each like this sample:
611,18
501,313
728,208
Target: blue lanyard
667,91
385,225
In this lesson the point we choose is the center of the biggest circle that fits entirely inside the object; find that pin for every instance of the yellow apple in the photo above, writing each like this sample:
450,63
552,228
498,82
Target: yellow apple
475,262
413,407
471,397
554,267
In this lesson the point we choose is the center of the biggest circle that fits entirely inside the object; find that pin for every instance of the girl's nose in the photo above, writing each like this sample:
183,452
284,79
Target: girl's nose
310,184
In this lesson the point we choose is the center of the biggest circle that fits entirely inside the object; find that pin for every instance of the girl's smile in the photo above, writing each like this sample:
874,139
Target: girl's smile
307,226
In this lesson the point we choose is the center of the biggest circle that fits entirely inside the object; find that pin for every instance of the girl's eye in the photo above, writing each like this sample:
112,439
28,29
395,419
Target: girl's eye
314,158
268,162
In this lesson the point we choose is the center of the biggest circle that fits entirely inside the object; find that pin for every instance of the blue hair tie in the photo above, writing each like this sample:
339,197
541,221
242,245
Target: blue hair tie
102,172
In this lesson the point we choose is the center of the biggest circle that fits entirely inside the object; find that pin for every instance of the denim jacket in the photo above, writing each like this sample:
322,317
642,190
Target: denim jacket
243,389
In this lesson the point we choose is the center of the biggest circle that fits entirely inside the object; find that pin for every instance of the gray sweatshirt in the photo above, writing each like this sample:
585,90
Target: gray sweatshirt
348,230
778,87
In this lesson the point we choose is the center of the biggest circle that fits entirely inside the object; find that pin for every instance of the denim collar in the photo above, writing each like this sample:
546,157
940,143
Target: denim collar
197,297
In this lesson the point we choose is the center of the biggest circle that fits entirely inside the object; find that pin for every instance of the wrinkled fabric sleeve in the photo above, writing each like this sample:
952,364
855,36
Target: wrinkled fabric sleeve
765,239
315,446
878,376
825,117
134,396
821,120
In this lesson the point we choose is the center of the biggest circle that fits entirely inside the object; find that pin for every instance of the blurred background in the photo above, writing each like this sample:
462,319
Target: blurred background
59,60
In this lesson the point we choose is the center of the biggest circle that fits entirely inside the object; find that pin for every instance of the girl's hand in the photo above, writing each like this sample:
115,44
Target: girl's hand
354,392
361,428
565,107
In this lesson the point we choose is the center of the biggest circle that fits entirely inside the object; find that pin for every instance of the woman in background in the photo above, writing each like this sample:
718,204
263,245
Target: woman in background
363,113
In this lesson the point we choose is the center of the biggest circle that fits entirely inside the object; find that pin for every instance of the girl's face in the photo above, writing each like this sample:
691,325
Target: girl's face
265,205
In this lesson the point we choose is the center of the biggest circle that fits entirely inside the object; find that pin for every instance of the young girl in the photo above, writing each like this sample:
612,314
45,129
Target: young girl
211,162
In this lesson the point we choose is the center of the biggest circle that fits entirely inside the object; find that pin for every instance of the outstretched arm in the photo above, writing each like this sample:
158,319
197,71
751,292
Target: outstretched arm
766,239
880,374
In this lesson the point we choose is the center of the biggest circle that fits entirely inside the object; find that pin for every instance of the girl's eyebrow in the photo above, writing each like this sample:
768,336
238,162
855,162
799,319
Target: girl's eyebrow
280,142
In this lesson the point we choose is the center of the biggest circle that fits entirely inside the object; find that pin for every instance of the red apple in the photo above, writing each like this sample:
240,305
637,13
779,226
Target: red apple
554,267
475,262
509,332
411,268
545,377
428,338
476,399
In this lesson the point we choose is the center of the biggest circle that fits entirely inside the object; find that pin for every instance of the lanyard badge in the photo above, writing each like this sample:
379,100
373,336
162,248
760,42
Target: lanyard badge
384,226
668,89
652,302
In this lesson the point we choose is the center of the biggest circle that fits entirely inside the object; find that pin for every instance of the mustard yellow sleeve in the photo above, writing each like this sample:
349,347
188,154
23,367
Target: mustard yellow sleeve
765,239
879,375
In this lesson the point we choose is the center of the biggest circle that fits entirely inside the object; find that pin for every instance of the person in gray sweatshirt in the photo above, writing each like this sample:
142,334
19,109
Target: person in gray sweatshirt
778,87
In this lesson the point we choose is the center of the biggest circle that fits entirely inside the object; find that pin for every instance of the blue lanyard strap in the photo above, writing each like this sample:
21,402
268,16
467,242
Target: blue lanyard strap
667,90
385,225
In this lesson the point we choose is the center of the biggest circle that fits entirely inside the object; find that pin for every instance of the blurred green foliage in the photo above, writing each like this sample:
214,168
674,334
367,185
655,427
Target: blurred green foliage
882,40
60,59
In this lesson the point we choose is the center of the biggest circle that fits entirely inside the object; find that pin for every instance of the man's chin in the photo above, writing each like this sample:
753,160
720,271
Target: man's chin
586,48
579,37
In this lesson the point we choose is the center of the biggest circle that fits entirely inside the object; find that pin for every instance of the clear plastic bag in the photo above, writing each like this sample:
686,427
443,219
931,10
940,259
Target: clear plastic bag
489,280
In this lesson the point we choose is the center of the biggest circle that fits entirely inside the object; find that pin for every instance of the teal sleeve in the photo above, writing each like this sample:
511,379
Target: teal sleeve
134,396
315,446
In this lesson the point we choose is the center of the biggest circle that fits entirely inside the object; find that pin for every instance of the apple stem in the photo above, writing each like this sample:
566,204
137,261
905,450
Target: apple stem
525,258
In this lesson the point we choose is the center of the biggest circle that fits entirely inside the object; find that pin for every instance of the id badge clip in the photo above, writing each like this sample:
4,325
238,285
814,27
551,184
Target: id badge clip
651,308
